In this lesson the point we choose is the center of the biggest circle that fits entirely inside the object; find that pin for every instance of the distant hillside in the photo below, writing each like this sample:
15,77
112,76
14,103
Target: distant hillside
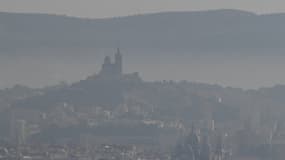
205,31
167,97
161,100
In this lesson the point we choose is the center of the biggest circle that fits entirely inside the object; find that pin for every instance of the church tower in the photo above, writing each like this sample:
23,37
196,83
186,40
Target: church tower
118,62
110,69
107,66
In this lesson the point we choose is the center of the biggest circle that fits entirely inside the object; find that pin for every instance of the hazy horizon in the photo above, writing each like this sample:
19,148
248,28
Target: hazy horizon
49,56
110,8
247,72
142,79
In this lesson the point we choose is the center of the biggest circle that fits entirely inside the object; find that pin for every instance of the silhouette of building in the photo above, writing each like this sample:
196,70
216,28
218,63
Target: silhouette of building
112,69
118,62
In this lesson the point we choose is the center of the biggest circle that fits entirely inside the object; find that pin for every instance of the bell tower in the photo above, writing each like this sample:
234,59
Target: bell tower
119,62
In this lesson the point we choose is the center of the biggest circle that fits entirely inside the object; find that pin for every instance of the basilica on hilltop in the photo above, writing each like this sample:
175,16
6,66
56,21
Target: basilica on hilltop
114,69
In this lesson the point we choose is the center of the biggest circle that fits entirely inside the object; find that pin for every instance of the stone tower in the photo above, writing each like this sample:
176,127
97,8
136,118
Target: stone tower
118,62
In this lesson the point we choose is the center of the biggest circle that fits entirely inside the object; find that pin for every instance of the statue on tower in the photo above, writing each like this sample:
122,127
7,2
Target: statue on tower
118,62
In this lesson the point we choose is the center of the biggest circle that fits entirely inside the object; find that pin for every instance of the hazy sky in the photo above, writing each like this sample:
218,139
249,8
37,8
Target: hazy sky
109,8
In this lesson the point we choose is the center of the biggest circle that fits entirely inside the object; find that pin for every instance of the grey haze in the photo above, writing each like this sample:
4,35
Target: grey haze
228,47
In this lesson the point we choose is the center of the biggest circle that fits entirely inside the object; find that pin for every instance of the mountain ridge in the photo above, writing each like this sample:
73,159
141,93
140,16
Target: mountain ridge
142,14
199,31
